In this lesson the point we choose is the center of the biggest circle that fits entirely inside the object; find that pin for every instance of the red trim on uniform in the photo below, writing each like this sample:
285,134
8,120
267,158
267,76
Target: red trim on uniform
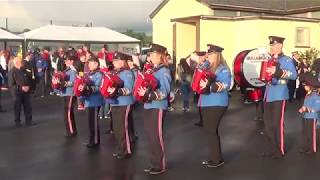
200,100
69,116
266,94
126,129
160,119
282,128
314,134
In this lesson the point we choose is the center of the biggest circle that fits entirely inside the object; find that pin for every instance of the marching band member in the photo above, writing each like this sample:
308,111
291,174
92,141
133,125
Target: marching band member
155,108
93,102
275,97
200,58
215,103
310,110
68,97
121,107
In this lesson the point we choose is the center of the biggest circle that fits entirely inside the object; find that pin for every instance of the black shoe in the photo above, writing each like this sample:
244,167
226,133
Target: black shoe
110,131
147,170
267,154
305,151
214,165
198,124
258,119
31,124
156,171
17,125
277,156
70,135
205,162
91,145
121,156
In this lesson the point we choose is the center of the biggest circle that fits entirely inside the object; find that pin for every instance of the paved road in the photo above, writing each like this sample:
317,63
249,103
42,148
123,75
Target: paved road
43,153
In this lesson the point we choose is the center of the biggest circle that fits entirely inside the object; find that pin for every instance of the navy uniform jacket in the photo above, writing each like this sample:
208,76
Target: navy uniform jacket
71,75
312,103
95,99
218,89
160,96
277,90
125,94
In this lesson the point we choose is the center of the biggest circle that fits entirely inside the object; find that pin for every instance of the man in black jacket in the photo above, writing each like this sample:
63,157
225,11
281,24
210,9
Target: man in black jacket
20,89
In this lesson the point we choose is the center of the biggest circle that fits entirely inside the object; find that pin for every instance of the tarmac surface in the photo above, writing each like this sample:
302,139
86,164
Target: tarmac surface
42,152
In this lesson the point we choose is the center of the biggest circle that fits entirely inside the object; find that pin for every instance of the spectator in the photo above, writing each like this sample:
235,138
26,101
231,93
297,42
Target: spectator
303,68
41,65
20,88
185,73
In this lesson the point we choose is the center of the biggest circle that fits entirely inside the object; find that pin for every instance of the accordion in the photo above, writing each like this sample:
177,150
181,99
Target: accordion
144,80
147,68
199,75
110,80
60,80
81,81
264,76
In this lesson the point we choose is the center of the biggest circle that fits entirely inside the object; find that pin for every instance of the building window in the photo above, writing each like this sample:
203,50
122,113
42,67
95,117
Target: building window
302,37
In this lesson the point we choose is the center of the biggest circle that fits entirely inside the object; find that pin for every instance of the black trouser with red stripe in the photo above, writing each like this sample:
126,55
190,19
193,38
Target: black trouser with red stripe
153,123
309,134
94,129
69,103
273,118
211,120
196,99
121,123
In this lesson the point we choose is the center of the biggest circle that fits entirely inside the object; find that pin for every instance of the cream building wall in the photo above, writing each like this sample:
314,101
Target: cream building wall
161,22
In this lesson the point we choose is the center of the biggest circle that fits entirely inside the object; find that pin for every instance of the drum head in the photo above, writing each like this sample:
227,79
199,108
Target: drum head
251,67
237,69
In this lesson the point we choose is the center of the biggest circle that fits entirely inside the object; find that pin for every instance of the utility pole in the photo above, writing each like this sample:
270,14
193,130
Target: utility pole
6,22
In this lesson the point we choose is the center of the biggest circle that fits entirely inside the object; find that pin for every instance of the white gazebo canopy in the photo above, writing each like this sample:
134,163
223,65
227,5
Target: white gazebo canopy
7,36
77,34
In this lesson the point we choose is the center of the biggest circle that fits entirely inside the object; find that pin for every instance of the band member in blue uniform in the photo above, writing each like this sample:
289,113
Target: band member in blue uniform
214,103
121,106
275,97
155,108
93,102
68,97
202,64
310,110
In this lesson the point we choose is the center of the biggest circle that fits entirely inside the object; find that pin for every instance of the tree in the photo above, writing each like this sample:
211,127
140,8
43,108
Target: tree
26,30
310,55
145,39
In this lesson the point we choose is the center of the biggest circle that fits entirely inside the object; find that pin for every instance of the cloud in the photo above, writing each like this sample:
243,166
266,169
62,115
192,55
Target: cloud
118,15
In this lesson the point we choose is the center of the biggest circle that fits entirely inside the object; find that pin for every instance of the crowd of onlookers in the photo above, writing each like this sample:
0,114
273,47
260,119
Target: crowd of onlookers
44,63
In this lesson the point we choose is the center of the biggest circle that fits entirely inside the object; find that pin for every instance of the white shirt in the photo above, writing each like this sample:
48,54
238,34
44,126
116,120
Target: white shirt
3,63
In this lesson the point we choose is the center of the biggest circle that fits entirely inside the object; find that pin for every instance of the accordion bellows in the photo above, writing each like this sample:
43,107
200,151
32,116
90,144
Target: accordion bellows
199,75
110,80
84,81
61,78
144,80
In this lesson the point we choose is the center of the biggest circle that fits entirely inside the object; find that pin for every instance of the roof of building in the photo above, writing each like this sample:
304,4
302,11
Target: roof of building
276,7
7,36
77,34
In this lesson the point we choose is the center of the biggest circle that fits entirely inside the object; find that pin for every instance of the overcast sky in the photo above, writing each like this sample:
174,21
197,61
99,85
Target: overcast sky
115,14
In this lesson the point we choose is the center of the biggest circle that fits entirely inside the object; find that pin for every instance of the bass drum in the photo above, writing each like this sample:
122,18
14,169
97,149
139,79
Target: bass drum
247,65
